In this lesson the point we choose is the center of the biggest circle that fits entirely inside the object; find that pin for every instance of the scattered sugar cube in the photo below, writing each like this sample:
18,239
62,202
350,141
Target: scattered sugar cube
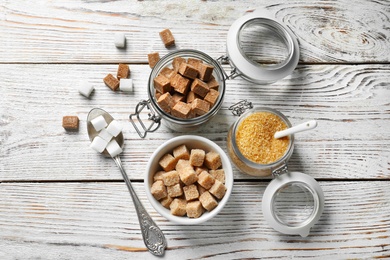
126,85
114,128
70,123
105,135
120,40
99,123
113,148
85,89
98,144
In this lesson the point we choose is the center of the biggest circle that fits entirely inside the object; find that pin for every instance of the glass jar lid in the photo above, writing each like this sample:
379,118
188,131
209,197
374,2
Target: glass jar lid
262,49
292,203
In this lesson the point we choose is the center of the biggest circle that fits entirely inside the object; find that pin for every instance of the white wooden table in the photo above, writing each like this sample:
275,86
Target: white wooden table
61,200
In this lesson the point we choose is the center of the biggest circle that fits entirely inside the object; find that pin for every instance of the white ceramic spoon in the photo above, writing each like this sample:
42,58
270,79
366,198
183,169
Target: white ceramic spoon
296,129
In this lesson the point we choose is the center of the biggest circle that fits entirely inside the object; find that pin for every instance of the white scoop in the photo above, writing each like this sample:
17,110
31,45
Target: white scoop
296,129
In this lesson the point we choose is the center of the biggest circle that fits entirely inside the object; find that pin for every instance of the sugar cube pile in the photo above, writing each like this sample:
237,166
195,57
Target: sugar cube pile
105,139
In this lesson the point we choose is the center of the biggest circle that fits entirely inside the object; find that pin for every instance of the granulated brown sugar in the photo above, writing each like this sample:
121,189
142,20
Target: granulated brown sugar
255,138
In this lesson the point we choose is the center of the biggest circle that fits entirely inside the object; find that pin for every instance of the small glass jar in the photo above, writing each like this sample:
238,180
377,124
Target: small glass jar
187,124
293,201
246,165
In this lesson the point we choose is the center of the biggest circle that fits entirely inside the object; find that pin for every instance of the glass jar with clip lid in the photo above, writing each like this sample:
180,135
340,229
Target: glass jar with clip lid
260,49
293,201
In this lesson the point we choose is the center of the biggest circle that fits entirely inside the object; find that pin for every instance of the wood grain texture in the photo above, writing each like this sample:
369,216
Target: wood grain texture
350,103
82,31
74,220
61,200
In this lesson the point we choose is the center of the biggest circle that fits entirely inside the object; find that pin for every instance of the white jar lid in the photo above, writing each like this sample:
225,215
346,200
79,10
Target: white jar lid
242,60
292,203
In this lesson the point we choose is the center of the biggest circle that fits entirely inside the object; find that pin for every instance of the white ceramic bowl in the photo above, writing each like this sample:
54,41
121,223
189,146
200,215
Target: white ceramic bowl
191,141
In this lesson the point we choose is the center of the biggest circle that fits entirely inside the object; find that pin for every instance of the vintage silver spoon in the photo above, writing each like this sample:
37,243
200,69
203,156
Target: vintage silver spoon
153,237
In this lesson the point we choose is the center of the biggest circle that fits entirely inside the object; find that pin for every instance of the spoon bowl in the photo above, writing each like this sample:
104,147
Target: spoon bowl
153,237
92,133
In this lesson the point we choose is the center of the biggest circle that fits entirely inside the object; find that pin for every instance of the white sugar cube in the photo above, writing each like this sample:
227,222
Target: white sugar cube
113,148
85,89
98,144
126,85
99,123
120,40
105,135
114,128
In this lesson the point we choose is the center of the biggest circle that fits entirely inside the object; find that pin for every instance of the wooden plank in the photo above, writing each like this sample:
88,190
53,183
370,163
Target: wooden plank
349,102
82,31
77,220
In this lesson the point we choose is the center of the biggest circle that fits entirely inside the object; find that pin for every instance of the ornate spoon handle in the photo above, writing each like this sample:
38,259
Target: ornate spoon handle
154,238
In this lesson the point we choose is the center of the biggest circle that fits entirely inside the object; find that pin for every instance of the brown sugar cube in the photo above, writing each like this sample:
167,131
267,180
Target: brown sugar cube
167,162
178,207
194,209
201,190
171,178
212,160
176,97
208,201
194,62
123,71
176,63
165,101
191,96
199,87
200,107
197,157
158,176
188,176
205,180
157,94
181,110
153,58
218,175
111,82
174,190
212,97
162,84
188,71
205,71
167,37
166,202
199,170
180,84
167,72
218,189
70,123
182,164
158,190
181,152
191,192
213,83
